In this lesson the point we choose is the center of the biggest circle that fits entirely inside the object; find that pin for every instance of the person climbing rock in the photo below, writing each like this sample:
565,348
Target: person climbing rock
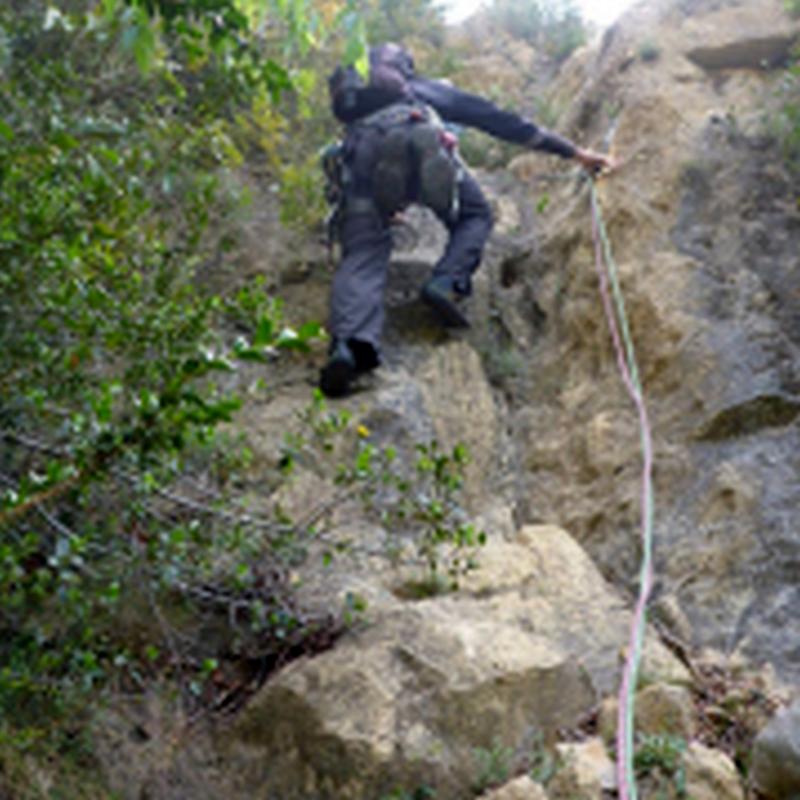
397,151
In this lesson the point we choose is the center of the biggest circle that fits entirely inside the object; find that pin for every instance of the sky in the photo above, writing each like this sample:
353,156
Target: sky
601,12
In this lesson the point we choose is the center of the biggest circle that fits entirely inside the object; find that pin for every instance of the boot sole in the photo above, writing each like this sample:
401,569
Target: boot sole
447,311
336,377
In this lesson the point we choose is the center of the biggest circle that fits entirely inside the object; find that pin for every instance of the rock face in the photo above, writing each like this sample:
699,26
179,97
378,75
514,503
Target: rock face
705,229
704,225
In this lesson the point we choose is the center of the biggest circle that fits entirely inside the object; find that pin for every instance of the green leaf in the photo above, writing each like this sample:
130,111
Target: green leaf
140,39
265,332
209,665
276,79
65,141
6,131
310,330
249,354
460,454
354,25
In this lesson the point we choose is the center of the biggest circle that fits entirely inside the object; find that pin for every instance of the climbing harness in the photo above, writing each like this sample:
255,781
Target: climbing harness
614,306
336,174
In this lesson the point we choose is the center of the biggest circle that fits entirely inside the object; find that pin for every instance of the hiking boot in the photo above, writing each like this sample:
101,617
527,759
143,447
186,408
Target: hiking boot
439,294
437,174
337,375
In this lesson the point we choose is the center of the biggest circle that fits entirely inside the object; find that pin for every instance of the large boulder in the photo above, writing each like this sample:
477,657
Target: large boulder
519,652
406,704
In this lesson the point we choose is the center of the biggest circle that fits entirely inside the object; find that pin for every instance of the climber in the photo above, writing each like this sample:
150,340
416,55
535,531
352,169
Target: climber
395,152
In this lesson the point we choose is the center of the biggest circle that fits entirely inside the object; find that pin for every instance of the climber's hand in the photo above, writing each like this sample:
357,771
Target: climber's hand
595,163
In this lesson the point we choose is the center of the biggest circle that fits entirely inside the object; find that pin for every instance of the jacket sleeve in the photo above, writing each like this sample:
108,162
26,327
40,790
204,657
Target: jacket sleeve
455,105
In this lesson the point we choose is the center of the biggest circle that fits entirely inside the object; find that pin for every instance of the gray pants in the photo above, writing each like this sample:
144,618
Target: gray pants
357,309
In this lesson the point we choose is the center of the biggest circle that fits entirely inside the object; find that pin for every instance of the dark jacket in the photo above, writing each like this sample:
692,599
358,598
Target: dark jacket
456,106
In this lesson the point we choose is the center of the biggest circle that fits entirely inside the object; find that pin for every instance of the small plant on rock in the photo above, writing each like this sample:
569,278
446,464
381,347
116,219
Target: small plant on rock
543,764
658,760
421,502
433,507
493,765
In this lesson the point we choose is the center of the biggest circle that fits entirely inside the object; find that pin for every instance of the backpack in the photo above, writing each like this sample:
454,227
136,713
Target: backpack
413,159
404,148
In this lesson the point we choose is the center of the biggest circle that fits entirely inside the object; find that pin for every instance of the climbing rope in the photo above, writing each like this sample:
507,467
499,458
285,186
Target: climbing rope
614,305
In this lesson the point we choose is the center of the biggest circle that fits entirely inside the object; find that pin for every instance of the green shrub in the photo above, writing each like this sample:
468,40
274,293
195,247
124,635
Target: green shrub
117,489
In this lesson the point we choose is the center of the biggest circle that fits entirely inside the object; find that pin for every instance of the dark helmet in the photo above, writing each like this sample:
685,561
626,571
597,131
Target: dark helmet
390,66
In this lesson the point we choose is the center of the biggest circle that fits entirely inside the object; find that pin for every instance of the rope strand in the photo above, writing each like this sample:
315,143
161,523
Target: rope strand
626,360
